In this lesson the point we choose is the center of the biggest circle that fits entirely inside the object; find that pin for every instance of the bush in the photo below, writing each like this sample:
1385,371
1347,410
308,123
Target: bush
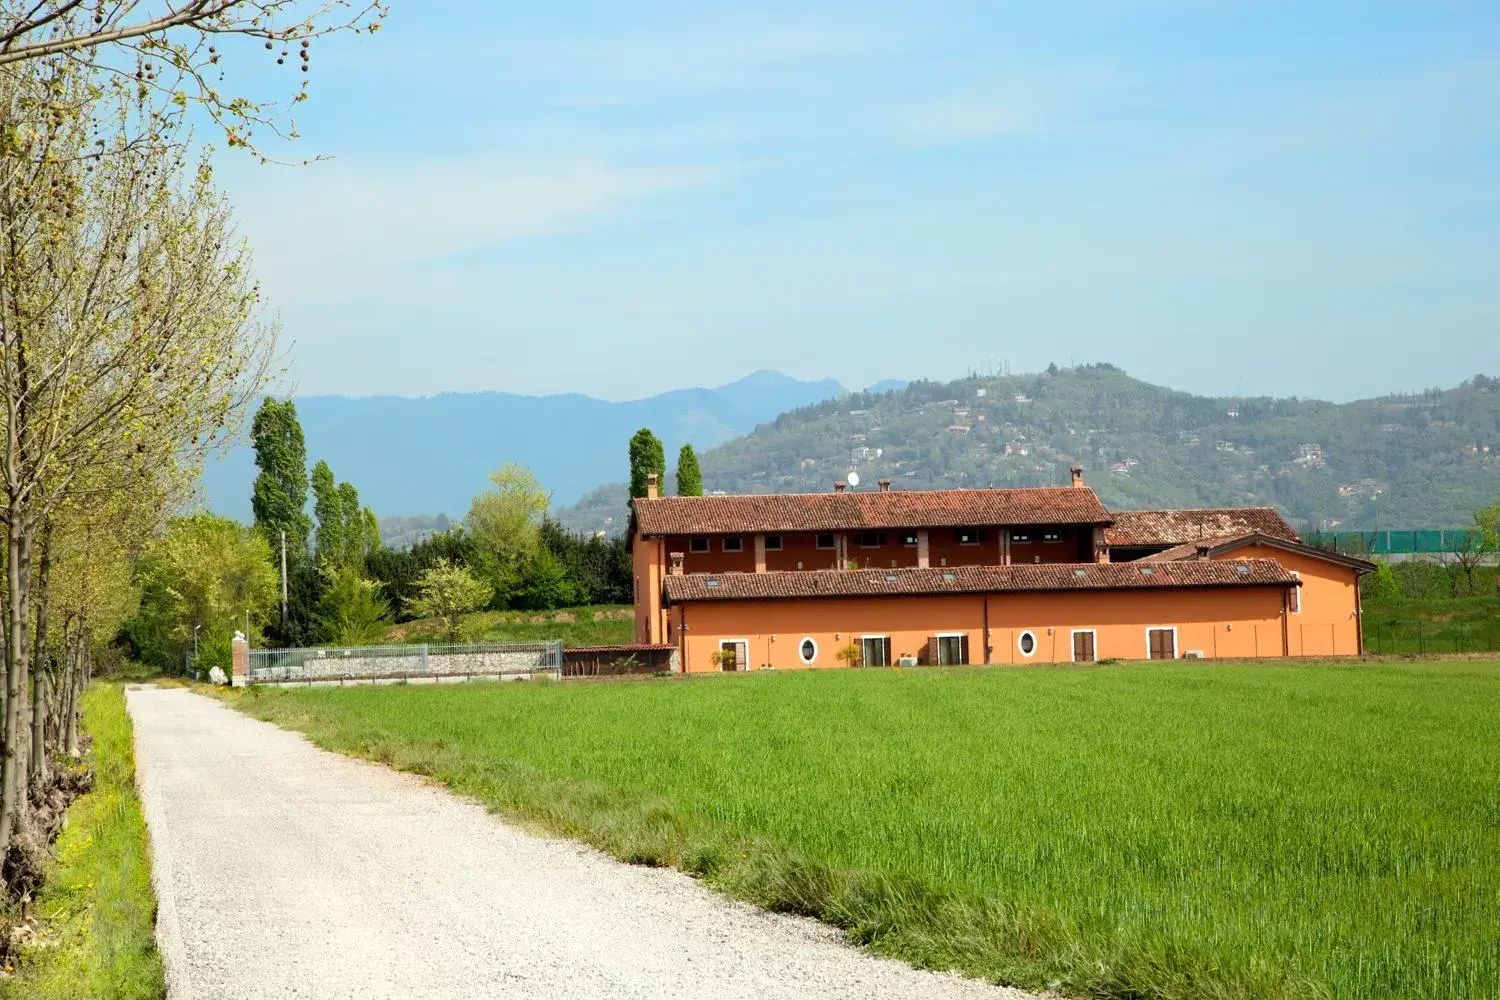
1382,585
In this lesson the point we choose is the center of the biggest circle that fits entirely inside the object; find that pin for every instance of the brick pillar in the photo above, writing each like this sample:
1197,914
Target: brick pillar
760,553
923,551
239,661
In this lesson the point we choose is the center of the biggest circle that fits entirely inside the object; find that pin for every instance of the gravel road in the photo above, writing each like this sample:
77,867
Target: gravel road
286,871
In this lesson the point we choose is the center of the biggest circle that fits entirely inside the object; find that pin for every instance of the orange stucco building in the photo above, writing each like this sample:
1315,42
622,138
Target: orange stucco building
1040,575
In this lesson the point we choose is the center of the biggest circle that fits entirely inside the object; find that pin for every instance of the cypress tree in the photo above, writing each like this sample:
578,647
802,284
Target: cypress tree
646,456
689,476
279,497
354,525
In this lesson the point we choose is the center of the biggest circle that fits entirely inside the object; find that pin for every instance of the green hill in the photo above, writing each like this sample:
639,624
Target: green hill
1421,460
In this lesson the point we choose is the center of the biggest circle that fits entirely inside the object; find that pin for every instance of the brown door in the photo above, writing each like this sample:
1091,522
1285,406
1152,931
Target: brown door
1162,643
736,656
1083,647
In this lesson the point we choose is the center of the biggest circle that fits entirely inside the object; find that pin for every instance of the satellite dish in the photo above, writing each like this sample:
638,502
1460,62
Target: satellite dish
853,479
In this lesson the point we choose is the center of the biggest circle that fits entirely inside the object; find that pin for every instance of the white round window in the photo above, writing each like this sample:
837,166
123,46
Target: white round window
808,650
1026,643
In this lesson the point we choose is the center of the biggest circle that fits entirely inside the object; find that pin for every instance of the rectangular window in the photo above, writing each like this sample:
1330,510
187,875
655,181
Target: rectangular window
699,545
734,544
952,650
871,539
1020,536
1161,643
825,541
1083,646
1052,535
908,538
968,536
875,650
1294,596
773,543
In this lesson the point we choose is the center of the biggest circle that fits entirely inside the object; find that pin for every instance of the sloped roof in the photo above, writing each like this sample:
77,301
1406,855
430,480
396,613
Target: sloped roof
1178,527
785,512
1210,548
976,579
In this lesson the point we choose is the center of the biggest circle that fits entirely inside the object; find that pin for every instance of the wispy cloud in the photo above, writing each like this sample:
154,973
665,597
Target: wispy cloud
341,229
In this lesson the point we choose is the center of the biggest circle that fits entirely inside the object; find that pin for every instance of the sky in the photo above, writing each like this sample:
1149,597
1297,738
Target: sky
1282,198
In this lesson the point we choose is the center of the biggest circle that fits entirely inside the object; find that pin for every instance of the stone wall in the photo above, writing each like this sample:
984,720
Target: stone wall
413,665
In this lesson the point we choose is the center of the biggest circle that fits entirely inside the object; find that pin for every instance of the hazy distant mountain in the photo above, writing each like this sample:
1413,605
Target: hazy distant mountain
1423,460
432,454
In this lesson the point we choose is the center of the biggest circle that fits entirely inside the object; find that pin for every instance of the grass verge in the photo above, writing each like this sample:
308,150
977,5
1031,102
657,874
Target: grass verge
1146,831
97,907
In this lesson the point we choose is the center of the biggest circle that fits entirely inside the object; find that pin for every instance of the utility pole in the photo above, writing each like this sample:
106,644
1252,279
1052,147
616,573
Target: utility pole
283,591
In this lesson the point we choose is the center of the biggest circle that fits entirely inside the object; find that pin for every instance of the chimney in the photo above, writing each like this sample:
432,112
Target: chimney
885,485
839,486
653,486
676,568
1077,471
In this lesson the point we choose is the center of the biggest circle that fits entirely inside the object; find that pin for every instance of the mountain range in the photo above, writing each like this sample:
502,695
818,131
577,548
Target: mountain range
432,454
1421,460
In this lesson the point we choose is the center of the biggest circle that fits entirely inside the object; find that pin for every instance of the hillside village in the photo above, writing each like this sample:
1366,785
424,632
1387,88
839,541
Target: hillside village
1414,461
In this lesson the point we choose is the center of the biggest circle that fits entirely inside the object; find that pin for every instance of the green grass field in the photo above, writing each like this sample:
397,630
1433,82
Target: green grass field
1140,831
97,907
596,625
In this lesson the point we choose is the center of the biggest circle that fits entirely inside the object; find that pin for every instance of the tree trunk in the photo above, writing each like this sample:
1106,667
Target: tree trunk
38,770
17,576
75,689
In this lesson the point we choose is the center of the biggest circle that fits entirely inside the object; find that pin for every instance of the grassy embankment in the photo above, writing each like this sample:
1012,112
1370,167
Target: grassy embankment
600,625
1432,625
98,910
1143,831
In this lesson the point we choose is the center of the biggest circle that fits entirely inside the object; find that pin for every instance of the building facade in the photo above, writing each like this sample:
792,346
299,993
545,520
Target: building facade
1040,575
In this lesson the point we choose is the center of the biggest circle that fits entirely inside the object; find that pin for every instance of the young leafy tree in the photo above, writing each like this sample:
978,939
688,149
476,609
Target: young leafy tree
130,340
202,577
328,507
547,584
689,476
280,493
505,524
448,592
352,612
647,456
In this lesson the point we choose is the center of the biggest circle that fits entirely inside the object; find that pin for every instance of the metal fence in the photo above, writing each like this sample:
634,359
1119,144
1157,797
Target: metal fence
1397,543
419,663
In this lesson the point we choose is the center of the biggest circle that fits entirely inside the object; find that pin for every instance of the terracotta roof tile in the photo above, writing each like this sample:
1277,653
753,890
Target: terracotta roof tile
1214,547
976,579
785,512
1177,527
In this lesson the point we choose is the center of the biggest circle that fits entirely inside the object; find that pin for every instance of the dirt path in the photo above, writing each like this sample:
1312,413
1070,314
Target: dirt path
286,871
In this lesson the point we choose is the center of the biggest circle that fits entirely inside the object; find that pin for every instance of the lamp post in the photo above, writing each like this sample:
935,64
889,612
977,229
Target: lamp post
195,642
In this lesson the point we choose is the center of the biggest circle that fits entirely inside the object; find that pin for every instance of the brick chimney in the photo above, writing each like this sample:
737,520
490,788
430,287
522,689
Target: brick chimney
840,486
676,567
1077,472
885,485
653,486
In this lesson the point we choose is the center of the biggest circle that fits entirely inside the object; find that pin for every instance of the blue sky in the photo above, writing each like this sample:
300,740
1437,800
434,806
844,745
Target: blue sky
1288,198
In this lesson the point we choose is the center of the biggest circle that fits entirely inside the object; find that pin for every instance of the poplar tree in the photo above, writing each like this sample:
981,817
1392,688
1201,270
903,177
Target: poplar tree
354,525
279,499
328,507
689,476
647,456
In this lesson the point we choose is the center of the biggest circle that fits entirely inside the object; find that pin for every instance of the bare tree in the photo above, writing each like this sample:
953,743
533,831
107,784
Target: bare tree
176,49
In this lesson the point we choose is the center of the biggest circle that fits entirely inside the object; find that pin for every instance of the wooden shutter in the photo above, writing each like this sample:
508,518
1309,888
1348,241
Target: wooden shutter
963,650
930,657
1163,645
